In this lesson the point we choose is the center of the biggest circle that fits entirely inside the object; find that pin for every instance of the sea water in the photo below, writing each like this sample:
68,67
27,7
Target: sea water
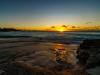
74,37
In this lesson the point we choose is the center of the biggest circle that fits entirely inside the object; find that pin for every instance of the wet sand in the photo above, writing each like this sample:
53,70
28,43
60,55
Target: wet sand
48,57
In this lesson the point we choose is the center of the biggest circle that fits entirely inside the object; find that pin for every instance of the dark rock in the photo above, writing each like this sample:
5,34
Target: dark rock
83,57
88,53
2,72
90,43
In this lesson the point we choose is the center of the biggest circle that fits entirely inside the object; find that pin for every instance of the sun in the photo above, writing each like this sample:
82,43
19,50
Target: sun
61,30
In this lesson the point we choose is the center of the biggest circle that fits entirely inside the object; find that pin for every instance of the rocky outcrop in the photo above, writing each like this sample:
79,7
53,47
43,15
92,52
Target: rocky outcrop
88,53
90,43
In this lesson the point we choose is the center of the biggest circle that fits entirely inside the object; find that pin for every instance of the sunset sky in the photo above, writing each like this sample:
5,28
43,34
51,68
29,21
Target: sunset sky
50,14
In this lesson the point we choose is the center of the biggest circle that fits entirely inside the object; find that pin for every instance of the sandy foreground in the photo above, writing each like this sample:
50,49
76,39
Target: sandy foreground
40,57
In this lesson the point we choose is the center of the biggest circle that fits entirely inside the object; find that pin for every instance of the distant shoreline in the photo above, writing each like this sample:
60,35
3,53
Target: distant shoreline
14,36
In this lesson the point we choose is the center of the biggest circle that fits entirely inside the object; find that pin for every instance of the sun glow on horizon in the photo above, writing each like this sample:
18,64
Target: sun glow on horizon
61,30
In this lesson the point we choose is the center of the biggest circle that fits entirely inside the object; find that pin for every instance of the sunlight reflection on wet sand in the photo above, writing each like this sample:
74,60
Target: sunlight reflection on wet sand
65,53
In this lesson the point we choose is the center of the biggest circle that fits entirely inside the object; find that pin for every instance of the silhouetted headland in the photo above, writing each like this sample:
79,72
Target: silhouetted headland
9,29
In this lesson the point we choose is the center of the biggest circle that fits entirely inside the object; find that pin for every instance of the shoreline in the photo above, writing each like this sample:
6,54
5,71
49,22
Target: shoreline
59,39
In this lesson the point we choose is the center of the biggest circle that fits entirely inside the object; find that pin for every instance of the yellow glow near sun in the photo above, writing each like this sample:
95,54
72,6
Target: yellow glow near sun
61,30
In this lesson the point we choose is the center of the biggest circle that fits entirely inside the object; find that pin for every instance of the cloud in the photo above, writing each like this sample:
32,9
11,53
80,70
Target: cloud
73,27
64,26
53,27
88,22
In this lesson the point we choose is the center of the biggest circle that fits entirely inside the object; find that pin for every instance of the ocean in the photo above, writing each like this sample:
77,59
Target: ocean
66,37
